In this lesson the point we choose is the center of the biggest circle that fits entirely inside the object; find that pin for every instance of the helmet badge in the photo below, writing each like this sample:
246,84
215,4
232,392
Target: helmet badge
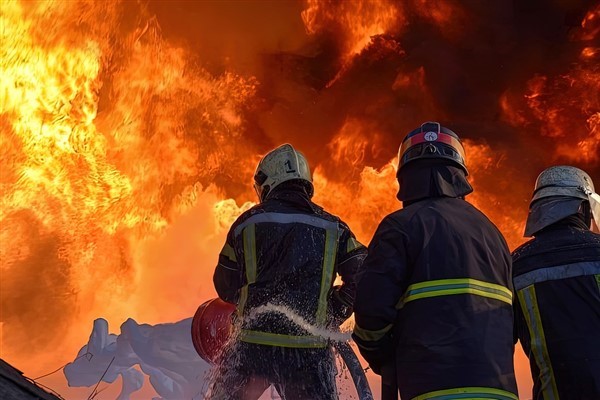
288,167
431,136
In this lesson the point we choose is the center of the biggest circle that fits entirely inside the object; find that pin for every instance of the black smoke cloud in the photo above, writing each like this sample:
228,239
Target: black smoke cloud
467,64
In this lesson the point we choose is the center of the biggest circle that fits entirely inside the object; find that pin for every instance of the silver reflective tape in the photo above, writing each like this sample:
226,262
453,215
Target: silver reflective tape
555,273
281,218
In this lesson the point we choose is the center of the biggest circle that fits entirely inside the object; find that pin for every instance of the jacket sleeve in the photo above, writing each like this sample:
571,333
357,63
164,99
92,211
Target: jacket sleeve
383,280
351,254
229,272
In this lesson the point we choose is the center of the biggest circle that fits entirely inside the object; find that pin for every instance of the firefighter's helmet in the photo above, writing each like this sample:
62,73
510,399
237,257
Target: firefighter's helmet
432,140
280,165
560,192
562,180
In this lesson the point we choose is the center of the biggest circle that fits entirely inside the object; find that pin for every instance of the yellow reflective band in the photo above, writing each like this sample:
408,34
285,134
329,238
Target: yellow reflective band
531,311
448,287
250,261
228,252
276,339
468,393
242,300
353,244
371,336
250,252
331,242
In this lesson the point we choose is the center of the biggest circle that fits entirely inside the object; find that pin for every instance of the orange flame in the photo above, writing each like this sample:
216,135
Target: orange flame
121,153
565,107
590,25
103,151
358,20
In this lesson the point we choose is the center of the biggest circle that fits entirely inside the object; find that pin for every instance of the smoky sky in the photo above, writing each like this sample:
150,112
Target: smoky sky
467,63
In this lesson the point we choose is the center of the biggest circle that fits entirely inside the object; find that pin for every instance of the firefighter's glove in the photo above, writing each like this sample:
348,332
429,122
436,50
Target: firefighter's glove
339,307
377,353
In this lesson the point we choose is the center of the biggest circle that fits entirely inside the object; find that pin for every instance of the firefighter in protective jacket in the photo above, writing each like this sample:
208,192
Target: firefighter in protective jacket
557,282
434,301
278,265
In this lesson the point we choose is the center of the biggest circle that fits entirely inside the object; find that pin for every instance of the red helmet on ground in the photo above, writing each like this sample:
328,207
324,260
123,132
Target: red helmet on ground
211,327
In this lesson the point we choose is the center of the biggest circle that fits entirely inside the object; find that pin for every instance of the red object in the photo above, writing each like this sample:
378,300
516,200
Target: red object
211,327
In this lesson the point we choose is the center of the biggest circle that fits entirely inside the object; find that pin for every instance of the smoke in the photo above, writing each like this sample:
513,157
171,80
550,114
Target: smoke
509,76
164,352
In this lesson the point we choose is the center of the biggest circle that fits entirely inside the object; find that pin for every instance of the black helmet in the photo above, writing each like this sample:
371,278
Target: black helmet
432,140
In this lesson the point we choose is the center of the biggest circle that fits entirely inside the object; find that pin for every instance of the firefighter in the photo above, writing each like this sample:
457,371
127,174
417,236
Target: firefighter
556,278
433,304
278,265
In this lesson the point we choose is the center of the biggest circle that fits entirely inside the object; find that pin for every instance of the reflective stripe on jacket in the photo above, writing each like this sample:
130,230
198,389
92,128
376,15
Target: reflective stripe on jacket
437,279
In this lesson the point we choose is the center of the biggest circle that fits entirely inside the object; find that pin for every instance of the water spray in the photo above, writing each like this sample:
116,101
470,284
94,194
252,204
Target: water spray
212,328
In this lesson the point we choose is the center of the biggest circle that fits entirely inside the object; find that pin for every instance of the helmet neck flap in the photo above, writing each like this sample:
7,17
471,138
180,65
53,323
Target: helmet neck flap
431,178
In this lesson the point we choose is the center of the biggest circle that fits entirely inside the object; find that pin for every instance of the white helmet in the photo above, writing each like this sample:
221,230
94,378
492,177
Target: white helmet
559,192
278,166
562,180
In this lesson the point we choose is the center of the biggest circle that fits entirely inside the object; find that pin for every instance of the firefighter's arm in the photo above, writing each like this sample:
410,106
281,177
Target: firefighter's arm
228,273
383,280
351,255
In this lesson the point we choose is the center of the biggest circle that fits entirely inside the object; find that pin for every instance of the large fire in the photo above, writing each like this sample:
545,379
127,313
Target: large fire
130,133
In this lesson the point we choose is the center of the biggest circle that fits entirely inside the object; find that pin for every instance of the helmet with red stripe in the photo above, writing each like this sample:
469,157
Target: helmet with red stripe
432,140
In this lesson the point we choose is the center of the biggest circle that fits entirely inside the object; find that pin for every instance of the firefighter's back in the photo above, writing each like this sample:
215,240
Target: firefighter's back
557,279
454,327
292,245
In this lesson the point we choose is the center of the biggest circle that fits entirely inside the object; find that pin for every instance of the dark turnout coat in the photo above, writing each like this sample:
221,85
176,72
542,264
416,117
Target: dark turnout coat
278,265
286,252
435,300
557,310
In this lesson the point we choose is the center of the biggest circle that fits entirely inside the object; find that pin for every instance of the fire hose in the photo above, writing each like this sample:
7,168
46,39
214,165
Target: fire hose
356,370
211,327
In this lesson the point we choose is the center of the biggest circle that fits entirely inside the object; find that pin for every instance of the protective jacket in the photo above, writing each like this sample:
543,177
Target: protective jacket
557,309
436,297
279,261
